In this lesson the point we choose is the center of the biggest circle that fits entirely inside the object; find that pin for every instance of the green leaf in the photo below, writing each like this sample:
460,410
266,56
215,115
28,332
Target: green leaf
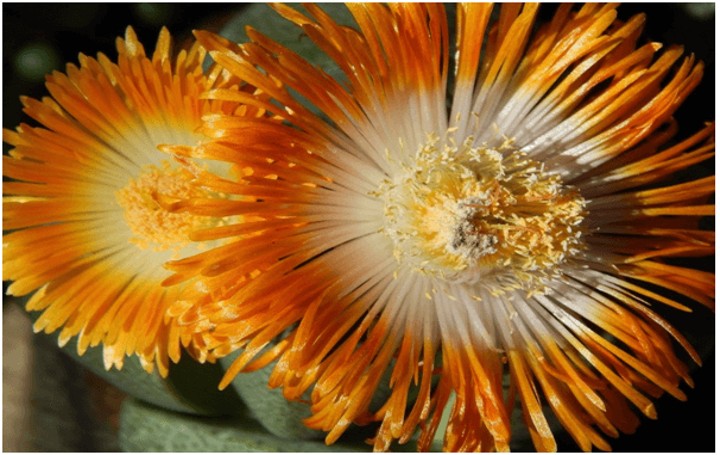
132,379
190,387
145,428
276,414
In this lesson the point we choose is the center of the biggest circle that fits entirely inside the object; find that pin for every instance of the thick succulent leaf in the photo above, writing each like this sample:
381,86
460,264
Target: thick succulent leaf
277,415
190,387
145,428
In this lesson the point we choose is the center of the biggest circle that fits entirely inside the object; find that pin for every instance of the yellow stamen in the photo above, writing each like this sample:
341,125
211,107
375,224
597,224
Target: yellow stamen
465,213
144,199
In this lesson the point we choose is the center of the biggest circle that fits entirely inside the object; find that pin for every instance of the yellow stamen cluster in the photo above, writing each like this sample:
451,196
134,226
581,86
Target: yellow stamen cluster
144,201
466,213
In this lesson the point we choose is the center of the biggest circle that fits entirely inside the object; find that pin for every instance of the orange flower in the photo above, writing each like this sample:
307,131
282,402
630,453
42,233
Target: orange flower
524,228
86,198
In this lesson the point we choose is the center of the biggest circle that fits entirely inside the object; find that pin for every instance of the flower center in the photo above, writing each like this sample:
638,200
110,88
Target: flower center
468,213
144,200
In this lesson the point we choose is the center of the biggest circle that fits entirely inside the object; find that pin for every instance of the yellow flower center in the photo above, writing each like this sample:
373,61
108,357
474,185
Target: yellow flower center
144,201
468,213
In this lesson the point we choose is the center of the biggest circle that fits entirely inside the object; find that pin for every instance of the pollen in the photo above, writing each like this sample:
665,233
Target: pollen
144,201
469,213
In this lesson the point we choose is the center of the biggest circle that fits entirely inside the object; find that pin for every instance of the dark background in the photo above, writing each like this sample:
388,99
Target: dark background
38,38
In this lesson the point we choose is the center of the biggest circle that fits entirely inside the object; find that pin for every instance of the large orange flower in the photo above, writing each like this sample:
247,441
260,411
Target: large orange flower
86,196
525,227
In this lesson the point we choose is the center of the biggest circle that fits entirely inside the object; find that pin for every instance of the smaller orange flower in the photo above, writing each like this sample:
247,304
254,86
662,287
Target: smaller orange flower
87,194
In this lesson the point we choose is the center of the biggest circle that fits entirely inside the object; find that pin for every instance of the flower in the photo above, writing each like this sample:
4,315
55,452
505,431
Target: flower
526,228
87,196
